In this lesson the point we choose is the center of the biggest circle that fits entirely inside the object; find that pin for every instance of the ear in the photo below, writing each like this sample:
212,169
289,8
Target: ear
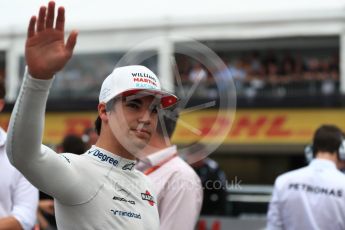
102,112
2,104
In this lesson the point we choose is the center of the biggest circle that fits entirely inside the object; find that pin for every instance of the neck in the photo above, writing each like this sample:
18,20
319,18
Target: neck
156,144
327,156
116,149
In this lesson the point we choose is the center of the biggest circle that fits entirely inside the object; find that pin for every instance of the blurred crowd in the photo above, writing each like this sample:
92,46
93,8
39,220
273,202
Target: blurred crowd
254,73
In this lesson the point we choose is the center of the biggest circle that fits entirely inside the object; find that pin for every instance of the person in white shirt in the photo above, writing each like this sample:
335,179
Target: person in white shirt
179,190
18,198
99,189
313,197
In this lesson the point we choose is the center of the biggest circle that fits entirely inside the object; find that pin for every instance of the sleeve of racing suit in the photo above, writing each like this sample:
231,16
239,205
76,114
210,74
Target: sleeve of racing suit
274,221
44,168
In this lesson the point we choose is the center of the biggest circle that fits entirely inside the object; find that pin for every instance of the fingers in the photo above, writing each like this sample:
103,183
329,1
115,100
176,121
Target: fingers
41,19
60,20
71,41
46,18
31,28
50,15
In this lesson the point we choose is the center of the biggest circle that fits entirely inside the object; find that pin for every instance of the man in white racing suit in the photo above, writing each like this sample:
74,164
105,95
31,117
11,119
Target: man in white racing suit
313,197
99,189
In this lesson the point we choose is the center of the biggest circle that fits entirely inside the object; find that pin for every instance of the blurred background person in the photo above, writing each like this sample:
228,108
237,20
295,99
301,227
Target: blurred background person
313,197
18,198
90,137
45,213
213,180
178,188
73,144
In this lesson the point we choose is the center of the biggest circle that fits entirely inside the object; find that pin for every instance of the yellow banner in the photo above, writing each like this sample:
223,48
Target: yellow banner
249,126
261,126
57,125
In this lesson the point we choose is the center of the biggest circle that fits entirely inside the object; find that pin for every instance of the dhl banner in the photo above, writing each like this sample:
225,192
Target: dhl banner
250,126
264,126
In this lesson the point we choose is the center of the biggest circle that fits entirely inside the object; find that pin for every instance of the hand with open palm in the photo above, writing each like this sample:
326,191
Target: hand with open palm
45,50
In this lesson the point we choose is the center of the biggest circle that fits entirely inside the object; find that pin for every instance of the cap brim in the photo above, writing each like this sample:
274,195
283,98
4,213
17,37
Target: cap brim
167,99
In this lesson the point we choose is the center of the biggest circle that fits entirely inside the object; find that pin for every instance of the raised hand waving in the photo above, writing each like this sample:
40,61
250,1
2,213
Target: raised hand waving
46,51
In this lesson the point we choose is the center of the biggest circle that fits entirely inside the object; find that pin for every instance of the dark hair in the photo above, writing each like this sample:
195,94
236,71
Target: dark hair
98,122
327,138
2,89
167,119
73,144
98,125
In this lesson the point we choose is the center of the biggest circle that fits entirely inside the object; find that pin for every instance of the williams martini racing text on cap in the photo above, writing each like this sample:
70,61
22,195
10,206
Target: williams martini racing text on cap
130,80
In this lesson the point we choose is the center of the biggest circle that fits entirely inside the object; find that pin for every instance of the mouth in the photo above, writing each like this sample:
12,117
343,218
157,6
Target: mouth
142,133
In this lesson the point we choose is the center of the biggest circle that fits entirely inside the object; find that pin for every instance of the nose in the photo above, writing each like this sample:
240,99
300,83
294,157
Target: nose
146,117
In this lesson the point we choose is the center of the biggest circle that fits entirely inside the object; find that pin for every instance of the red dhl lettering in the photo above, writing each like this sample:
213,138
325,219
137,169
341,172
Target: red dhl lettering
244,125
276,128
270,127
213,125
250,126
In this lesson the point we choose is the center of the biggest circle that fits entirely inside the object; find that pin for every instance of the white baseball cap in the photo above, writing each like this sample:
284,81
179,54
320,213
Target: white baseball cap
129,80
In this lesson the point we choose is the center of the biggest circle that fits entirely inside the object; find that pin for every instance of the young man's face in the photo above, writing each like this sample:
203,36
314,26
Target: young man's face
133,120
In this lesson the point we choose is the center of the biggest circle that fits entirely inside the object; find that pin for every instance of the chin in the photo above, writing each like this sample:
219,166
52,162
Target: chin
141,144
137,144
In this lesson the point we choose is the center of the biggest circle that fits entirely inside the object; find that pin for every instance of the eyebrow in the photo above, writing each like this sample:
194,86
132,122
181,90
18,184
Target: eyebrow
135,100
